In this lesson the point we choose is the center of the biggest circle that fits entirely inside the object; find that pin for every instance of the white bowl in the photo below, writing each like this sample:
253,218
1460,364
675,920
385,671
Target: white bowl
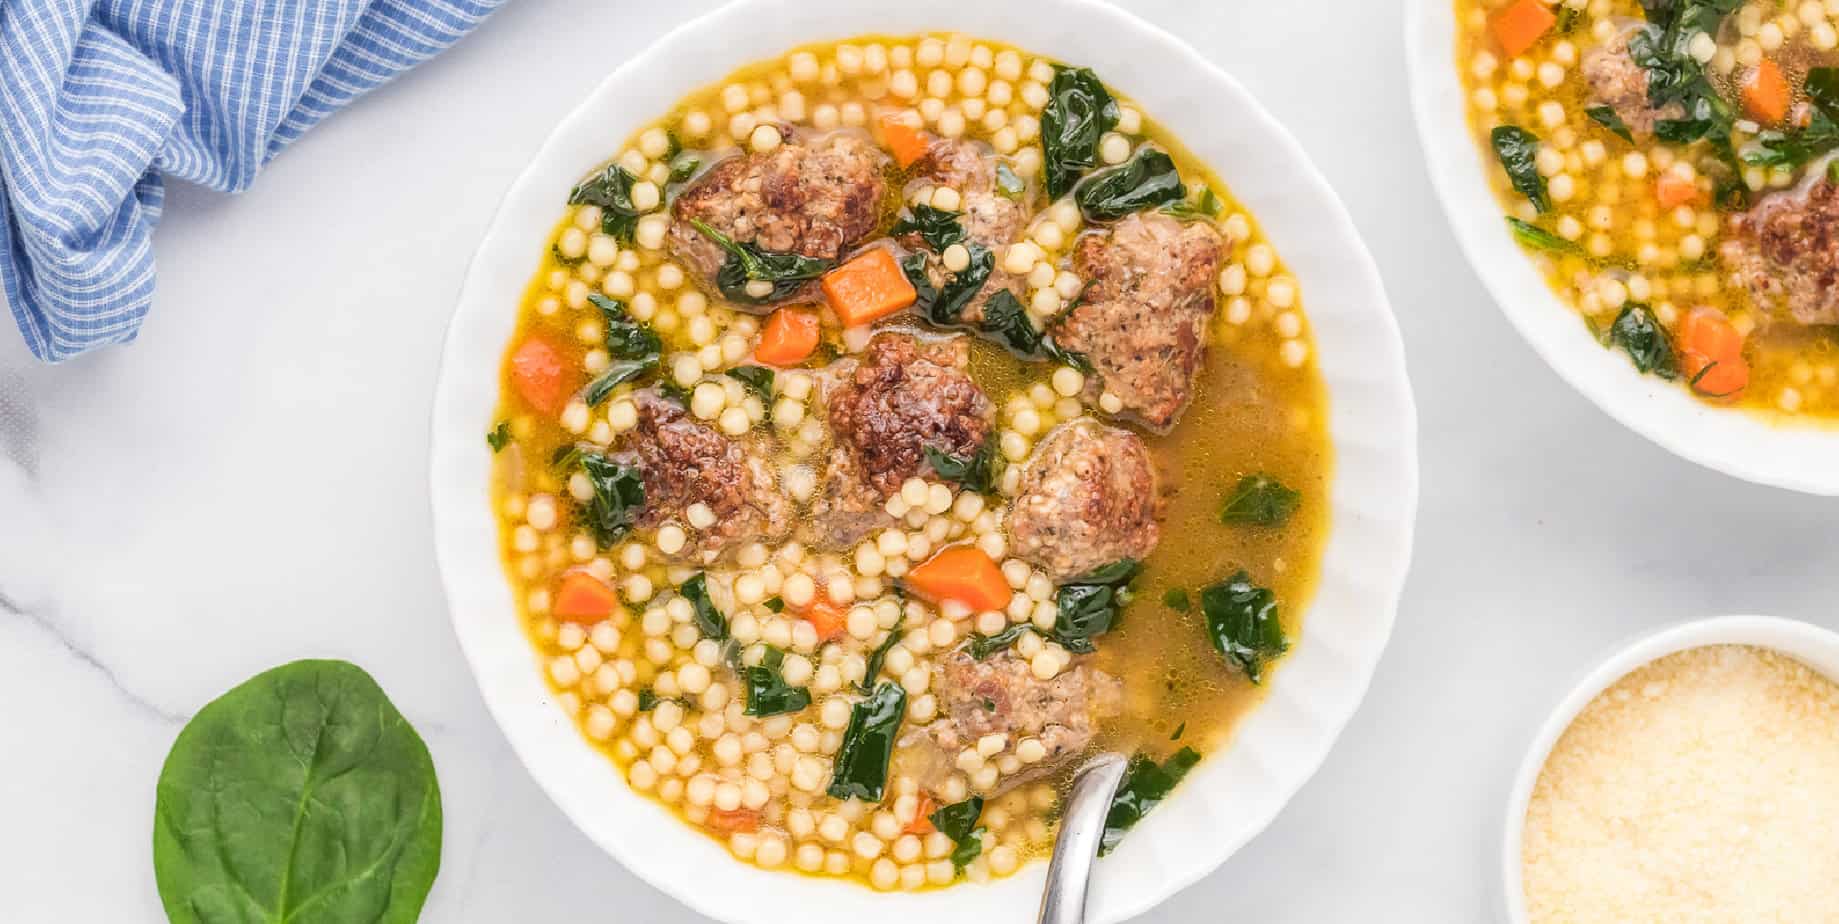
1747,445
1811,645
1233,794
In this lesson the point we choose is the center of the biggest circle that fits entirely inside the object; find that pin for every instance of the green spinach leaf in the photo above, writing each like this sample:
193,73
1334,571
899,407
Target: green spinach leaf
1517,148
1606,116
758,380
977,473
1260,500
767,692
749,263
300,795
1006,321
626,338
1538,238
879,656
1145,785
1243,624
1079,111
619,496
861,767
937,227
982,646
1206,206
618,373
709,620
1175,598
611,189
1640,335
1008,184
499,437
958,821
945,305
1147,180
1087,606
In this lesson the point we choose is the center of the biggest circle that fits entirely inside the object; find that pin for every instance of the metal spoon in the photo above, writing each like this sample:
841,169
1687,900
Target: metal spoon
1081,827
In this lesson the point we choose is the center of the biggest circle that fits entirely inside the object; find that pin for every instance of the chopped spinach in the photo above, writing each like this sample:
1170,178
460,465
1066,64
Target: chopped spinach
500,436
861,767
1175,598
1147,180
1088,605
674,392
709,620
767,692
937,227
1078,113
611,189
958,821
684,167
977,473
1260,500
1007,183
619,495
618,373
1639,333
1146,783
648,699
879,656
982,646
1516,147
1207,205
1663,49
1006,321
626,338
1606,116
758,379
1538,238
748,262
1243,622
566,457
1179,730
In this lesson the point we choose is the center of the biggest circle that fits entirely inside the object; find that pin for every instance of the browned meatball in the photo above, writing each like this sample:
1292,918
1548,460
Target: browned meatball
903,395
1000,695
819,197
1142,318
684,463
987,216
1786,250
1087,498
1618,82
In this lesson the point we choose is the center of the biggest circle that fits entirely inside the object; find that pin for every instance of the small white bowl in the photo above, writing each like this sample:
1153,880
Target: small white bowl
1748,445
1233,794
1811,645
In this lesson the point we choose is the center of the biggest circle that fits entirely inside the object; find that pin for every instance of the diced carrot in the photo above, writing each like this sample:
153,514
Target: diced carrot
728,822
827,618
904,140
1711,352
1522,24
869,287
963,573
1674,190
1766,93
790,335
541,376
922,818
583,597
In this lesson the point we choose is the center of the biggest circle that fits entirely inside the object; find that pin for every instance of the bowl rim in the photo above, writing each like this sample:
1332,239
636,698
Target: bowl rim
1751,445
1381,527
1812,645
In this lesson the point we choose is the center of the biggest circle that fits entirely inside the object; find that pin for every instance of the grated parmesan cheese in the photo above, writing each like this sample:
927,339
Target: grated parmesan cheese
1701,787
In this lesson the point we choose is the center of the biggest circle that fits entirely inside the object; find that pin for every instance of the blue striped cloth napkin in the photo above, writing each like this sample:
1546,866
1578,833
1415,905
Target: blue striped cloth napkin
100,99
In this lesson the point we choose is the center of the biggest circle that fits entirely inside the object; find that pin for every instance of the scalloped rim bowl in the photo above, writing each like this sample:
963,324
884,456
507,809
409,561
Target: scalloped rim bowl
1235,792
1812,645
1750,446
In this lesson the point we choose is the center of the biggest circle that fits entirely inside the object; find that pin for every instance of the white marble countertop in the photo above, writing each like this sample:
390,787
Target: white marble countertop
246,486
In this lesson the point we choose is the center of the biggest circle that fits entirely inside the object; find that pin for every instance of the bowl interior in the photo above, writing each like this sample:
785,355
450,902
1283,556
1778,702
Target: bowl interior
1749,446
1811,645
1234,793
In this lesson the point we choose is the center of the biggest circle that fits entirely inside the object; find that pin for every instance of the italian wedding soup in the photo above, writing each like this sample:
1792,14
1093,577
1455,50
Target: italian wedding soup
887,429
1670,166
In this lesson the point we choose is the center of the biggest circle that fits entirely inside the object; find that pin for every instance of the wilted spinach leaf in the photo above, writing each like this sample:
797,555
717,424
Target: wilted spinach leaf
300,795
1088,605
758,379
1147,180
1538,238
879,656
982,646
946,305
1639,334
1079,111
1145,785
767,692
1006,321
861,767
1606,116
709,620
937,227
618,373
648,699
748,262
1007,183
977,473
611,189
1207,205
1516,147
958,821
500,436
626,338
1260,500
1243,623
619,495
1176,599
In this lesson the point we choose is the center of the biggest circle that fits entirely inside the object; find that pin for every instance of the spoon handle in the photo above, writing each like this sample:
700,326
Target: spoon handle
1081,827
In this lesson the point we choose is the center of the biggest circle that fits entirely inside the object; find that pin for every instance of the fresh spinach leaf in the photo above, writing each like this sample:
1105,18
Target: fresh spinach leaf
758,380
1008,184
626,338
937,227
1078,113
879,656
1243,624
1606,116
300,795
1640,334
619,495
499,437
749,263
1531,235
861,767
767,692
982,646
1175,598
611,189
1517,149
1087,606
1147,180
618,373
709,620
977,473
1260,500
1146,783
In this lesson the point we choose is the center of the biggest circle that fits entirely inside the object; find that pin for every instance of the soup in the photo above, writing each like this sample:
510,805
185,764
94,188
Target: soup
887,429
1668,166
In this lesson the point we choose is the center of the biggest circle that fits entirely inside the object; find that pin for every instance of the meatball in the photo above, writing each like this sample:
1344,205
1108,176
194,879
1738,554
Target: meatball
903,395
1786,250
1086,499
818,198
988,217
1142,319
1621,84
684,463
1000,695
